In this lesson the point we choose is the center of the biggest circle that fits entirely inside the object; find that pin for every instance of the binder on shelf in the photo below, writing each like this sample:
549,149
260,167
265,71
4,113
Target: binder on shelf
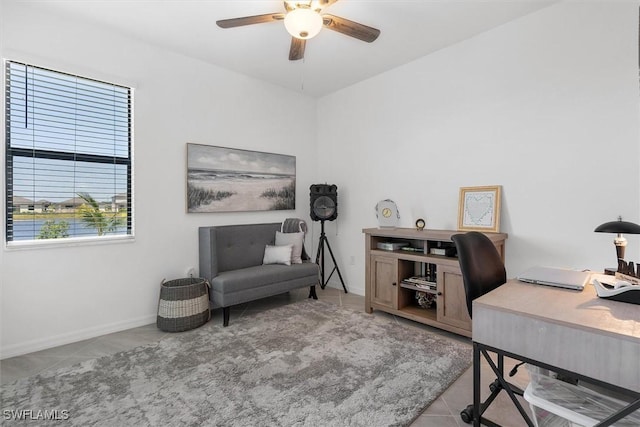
428,273
443,251
421,283
422,280
391,246
418,288
412,249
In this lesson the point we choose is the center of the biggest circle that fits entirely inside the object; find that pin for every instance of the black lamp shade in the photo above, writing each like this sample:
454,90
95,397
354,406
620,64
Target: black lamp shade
618,227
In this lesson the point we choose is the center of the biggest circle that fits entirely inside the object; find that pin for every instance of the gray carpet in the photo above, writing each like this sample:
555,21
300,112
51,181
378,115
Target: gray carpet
310,363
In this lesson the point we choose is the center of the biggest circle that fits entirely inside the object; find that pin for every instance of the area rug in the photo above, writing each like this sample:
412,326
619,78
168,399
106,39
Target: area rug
310,363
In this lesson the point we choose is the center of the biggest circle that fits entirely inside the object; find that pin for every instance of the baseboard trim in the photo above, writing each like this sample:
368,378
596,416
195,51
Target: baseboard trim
335,283
71,337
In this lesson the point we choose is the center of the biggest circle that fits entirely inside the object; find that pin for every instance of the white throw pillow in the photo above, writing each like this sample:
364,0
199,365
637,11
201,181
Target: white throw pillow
277,254
295,239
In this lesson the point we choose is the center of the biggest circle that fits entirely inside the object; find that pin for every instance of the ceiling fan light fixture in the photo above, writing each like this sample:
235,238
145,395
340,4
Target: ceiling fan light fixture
303,23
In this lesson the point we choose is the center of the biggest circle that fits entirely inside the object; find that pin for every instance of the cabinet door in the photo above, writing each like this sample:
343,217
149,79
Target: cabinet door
452,302
384,281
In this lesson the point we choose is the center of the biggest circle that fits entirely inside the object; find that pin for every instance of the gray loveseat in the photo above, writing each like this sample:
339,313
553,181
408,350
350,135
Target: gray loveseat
231,260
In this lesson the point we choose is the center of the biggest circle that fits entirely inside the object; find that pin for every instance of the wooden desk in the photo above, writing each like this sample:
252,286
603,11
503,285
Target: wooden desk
572,331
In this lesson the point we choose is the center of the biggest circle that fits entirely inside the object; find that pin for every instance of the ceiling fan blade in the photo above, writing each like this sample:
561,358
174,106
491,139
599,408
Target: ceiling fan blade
326,3
350,28
296,51
289,5
249,20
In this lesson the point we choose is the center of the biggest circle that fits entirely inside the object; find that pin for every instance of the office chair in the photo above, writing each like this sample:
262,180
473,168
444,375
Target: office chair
480,263
482,271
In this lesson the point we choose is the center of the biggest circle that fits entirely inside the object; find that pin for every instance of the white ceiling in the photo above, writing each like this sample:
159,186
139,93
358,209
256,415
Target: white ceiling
409,29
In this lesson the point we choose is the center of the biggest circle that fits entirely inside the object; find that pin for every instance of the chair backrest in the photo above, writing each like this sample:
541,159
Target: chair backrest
480,263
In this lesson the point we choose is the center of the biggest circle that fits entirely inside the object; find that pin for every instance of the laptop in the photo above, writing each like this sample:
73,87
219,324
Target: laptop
558,277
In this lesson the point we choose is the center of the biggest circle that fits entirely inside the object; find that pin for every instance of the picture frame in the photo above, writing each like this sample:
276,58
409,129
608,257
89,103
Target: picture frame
479,208
223,179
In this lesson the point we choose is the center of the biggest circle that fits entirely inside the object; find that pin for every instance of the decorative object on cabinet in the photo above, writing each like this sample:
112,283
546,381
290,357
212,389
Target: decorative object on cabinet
420,224
387,213
223,179
426,300
479,208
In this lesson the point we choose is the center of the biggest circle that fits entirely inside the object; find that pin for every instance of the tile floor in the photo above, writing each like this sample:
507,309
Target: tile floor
444,412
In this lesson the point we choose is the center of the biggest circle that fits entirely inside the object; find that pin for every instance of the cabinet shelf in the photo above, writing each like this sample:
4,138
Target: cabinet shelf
416,288
417,257
419,313
385,270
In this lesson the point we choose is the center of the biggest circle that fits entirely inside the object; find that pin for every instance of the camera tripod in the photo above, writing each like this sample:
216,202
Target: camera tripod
320,254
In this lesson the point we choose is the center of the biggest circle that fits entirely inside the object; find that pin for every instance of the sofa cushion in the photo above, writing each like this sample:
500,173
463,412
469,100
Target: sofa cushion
262,275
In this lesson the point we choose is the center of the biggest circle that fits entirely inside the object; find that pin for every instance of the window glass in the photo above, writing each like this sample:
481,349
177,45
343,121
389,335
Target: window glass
68,156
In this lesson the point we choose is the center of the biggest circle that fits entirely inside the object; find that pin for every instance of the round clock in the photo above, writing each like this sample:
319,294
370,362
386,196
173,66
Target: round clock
324,207
420,224
387,213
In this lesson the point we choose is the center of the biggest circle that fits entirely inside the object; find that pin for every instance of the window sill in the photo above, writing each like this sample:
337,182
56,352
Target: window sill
68,242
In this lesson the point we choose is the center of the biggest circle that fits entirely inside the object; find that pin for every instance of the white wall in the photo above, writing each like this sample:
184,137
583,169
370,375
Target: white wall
546,106
543,106
57,295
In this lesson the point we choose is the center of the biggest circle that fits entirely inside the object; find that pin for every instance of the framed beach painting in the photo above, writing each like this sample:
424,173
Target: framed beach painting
221,179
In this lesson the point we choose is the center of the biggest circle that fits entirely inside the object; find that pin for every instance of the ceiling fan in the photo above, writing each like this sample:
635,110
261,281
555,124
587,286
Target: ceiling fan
304,20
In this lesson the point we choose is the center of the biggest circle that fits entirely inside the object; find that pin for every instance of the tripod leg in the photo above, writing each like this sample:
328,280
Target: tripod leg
323,238
336,265
320,259
318,253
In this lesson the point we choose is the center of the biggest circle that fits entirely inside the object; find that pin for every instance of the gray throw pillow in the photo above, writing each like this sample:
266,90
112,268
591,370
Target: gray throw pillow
277,254
295,239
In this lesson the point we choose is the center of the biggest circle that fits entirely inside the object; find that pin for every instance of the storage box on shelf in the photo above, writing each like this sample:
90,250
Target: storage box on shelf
556,403
427,254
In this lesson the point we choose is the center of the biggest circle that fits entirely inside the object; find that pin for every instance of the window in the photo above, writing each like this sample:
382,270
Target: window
68,156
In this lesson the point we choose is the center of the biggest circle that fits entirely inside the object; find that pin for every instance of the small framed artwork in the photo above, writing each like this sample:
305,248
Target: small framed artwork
479,208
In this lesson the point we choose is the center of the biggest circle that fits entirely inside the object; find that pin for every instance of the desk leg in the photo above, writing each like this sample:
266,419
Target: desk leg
476,385
630,408
478,407
504,385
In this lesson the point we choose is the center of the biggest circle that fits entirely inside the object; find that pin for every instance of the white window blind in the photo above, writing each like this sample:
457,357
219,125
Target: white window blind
68,155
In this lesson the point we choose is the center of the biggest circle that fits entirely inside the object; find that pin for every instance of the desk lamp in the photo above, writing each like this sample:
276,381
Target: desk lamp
619,227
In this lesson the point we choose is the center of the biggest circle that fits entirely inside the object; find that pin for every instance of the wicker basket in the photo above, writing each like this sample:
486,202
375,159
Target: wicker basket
183,305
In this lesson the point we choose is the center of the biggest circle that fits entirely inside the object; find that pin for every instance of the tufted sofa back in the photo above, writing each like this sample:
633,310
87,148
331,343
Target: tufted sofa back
232,247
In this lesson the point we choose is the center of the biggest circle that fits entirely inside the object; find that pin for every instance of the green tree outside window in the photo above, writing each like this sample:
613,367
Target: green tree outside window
91,215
